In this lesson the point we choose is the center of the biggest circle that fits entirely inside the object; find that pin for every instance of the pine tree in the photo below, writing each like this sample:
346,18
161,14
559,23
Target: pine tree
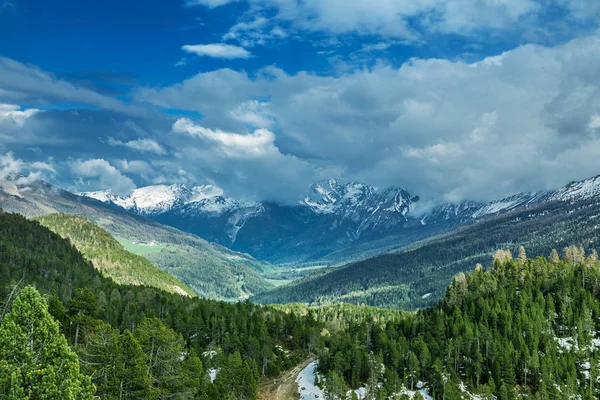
502,256
165,351
35,359
81,308
414,369
134,382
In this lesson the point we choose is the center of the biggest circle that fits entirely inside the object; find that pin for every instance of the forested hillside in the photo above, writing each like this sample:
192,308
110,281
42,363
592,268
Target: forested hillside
418,276
524,327
109,256
138,342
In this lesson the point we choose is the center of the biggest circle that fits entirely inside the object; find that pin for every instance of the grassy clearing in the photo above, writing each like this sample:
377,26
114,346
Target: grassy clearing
279,282
144,248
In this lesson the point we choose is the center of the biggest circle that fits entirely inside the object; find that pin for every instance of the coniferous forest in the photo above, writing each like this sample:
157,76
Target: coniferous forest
132,342
520,327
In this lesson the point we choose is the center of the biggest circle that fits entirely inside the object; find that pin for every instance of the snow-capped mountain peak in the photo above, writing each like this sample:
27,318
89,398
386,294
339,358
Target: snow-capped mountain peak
157,199
329,197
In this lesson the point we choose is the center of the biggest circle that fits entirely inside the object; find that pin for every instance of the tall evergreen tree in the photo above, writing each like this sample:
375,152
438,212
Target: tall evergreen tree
35,359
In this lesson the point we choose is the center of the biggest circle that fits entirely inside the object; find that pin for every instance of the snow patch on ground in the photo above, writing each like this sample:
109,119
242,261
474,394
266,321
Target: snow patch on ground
213,373
361,393
307,387
411,393
469,395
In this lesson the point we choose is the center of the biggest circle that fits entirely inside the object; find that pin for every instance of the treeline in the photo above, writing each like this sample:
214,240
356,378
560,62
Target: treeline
139,342
523,327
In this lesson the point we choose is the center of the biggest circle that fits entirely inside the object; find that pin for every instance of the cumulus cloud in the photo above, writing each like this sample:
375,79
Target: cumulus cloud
257,144
447,130
100,174
255,113
141,145
248,165
217,50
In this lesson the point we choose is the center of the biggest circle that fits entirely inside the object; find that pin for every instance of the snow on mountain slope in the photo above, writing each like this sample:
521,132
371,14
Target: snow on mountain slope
583,190
359,207
157,199
452,212
509,203
356,199
575,191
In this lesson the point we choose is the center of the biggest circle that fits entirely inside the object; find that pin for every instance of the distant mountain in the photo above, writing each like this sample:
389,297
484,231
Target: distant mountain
335,223
417,275
210,270
332,217
470,210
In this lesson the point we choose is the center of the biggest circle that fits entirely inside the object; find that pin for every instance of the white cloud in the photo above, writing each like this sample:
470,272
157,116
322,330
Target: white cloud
16,171
255,30
412,20
141,145
217,50
100,174
246,165
14,114
255,113
140,168
594,122
255,145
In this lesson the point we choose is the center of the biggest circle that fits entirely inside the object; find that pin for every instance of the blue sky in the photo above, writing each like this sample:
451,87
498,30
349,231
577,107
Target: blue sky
139,42
263,97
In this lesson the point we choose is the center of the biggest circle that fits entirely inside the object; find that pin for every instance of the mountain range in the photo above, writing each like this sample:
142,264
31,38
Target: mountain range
416,276
335,223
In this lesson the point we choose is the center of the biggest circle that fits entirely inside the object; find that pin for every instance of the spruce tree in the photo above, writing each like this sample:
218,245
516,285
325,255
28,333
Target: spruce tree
35,359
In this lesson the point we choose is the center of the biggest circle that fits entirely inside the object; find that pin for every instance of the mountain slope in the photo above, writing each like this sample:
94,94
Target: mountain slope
109,256
210,270
417,276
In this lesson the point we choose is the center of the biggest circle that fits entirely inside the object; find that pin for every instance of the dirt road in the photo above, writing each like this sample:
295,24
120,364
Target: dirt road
283,387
